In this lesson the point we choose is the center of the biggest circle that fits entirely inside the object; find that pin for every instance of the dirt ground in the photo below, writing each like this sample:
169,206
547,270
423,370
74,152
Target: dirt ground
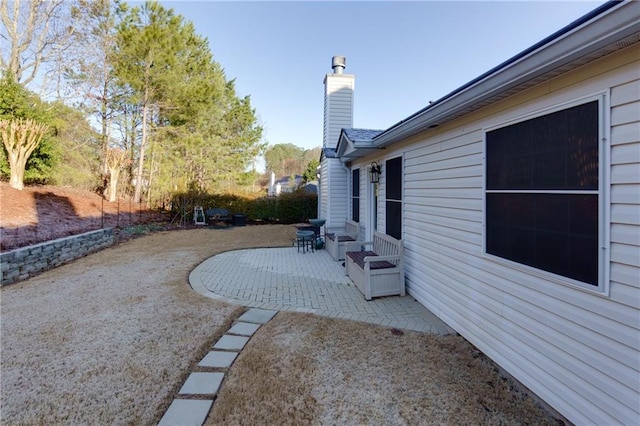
42,213
110,338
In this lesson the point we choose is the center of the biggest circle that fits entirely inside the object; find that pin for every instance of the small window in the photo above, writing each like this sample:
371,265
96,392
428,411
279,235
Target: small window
542,193
393,193
355,195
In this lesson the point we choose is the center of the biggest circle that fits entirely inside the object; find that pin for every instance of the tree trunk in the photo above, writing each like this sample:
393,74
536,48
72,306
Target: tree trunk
104,168
138,194
20,138
17,172
114,174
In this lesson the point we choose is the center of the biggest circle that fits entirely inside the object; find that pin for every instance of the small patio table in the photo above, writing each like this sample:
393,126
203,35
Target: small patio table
305,240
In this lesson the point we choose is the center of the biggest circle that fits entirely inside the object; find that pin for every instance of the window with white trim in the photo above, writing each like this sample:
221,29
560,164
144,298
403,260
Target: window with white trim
393,194
543,196
355,195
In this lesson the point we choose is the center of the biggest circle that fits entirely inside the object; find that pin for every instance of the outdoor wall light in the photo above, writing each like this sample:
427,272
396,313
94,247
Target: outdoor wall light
374,173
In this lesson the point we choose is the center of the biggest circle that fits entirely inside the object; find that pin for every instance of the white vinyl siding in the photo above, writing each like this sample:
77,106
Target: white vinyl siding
364,202
338,107
338,194
576,349
625,193
338,113
323,193
382,196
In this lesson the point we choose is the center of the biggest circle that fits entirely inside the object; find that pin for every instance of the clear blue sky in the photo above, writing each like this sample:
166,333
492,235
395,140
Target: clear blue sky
403,54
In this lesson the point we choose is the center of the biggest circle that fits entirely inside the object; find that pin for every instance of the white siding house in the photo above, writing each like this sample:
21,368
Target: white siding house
283,185
520,213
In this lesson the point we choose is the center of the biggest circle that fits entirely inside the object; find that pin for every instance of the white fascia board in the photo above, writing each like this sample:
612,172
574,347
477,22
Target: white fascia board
612,26
343,143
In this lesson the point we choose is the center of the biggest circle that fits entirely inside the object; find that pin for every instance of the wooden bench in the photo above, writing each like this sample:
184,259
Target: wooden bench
218,215
335,238
378,271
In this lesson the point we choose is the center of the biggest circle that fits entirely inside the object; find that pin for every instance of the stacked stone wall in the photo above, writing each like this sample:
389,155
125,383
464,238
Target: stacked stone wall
20,264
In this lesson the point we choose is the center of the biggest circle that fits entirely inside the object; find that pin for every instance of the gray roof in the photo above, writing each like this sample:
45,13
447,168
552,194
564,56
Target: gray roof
329,152
355,143
361,135
287,179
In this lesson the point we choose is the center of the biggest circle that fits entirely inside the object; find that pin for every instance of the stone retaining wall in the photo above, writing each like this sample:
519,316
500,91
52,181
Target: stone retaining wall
20,264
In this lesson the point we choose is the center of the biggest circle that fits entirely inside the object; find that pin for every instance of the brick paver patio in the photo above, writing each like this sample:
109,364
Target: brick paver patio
284,279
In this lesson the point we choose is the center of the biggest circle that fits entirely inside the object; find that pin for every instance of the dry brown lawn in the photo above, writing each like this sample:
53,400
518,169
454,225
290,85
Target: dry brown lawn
304,369
110,338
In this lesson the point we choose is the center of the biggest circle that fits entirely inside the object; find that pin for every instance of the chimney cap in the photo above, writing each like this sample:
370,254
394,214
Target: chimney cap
338,63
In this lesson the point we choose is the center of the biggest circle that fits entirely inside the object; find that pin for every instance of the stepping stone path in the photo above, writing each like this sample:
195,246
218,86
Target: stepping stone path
195,399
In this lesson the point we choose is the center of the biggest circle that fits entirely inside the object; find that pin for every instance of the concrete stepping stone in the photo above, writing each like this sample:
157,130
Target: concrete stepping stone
231,343
258,316
244,328
218,359
193,412
186,412
202,384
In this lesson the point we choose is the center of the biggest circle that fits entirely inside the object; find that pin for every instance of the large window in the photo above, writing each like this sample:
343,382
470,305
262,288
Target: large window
542,192
355,195
393,191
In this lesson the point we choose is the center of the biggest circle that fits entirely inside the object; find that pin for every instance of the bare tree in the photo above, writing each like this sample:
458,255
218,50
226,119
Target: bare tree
20,137
33,33
90,69
117,159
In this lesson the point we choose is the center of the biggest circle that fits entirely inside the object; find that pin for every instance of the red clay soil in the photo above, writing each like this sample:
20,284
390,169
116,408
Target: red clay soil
42,213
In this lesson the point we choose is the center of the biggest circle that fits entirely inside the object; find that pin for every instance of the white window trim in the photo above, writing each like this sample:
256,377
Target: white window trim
400,155
359,197
604,196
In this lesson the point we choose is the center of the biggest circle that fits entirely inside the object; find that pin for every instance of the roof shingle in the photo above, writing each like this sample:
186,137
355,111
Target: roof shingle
361,135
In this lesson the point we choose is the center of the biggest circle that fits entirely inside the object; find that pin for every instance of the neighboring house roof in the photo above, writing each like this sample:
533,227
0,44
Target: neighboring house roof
287,179
606,29
311,187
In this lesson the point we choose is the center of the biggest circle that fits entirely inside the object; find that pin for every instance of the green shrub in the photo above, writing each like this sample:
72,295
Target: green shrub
295,207
263,210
